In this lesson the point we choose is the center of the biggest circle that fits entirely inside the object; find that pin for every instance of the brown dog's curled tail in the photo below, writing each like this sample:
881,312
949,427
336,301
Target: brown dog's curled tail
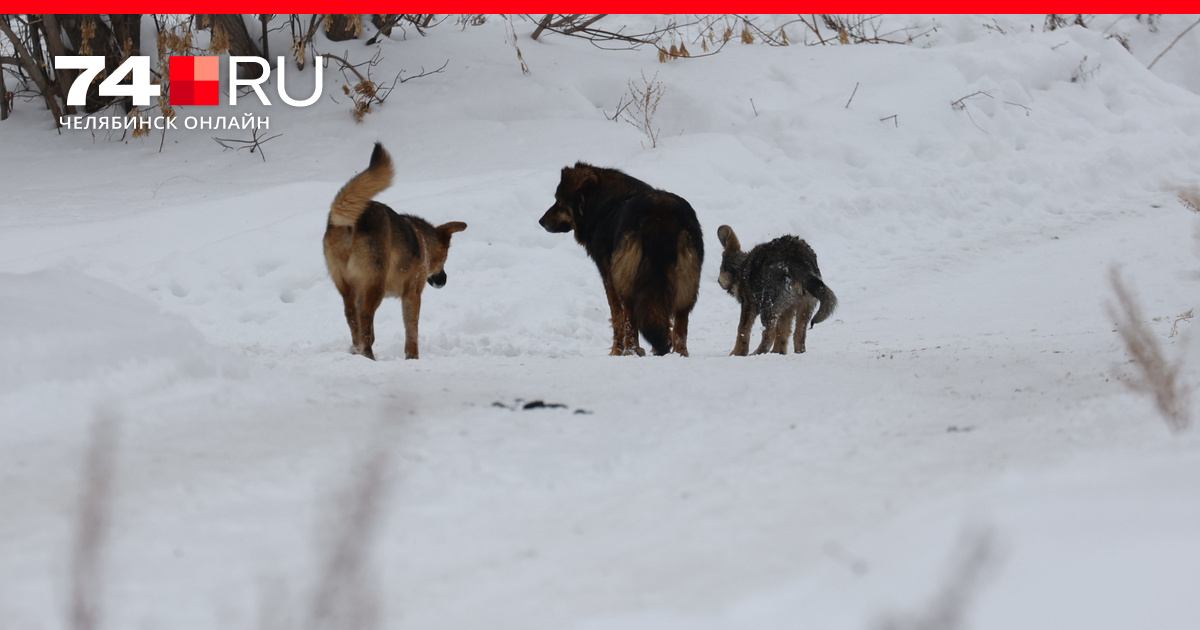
353,198
817,287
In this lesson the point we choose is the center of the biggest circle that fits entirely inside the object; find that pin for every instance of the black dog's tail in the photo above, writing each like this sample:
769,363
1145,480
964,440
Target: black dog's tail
818,289
650,304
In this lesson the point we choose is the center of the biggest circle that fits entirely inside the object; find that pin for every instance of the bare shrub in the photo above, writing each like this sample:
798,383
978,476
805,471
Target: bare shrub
1157,376
639,106
365,92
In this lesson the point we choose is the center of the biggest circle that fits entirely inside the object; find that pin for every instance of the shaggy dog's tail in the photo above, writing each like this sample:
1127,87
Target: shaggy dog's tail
817,288
353,198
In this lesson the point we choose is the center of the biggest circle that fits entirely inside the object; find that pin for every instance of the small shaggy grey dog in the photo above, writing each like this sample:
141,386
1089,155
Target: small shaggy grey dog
780,280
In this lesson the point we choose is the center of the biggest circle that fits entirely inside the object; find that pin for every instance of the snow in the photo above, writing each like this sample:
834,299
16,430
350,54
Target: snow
967,394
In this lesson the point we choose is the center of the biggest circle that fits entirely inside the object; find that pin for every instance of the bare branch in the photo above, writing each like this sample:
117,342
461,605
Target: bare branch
34,70
1172,45
254,143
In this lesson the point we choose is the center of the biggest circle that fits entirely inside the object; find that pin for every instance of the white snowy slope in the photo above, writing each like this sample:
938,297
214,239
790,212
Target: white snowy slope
956,447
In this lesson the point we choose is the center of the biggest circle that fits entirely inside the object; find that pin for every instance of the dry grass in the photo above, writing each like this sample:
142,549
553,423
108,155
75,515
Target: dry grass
344,594
949,607
1156,375
91,526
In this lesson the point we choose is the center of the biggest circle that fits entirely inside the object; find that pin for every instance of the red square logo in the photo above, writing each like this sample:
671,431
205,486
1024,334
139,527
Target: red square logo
195,80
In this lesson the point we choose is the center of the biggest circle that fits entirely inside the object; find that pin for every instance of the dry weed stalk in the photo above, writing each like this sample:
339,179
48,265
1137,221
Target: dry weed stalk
512,32
92,524
1190,198
948,609
346,593
1157,376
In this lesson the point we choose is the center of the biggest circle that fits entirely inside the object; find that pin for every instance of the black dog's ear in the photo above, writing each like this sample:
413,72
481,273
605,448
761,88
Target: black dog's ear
578,179
728,239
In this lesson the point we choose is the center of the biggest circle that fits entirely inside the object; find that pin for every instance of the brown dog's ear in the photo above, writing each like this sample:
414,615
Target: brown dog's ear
578,179
728,239
446,229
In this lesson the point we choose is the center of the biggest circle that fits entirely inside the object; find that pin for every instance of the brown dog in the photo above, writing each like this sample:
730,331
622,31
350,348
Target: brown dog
647,245
371,251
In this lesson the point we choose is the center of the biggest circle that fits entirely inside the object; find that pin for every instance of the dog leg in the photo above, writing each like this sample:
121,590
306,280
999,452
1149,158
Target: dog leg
783,331
742,346
625,337
803,314
629,343
348,300
615,317
411,301
768,336
371,299
679,332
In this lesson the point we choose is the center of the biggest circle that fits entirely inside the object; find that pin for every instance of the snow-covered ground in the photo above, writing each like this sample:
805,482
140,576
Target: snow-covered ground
957,446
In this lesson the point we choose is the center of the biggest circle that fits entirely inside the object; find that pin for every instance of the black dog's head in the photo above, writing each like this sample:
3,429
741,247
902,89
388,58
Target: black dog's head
732,259
575,183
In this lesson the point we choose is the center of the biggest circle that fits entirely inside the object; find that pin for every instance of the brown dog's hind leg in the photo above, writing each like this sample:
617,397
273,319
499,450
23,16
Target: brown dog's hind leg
411,300
370,301
349,302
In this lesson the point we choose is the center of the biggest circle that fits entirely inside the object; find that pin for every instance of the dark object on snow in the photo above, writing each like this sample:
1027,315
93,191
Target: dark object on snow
539,404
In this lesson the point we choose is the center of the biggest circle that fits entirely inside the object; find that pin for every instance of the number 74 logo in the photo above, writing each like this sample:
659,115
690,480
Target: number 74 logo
137,67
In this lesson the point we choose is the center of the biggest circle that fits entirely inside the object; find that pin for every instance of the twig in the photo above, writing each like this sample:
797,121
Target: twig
753,107
894,118
814,28
852,95
1172,45
961,103
621,106
255,143
1027,110
422,74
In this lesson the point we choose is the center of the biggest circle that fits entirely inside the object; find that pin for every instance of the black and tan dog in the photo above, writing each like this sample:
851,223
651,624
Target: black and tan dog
371,251
780,280
648,246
